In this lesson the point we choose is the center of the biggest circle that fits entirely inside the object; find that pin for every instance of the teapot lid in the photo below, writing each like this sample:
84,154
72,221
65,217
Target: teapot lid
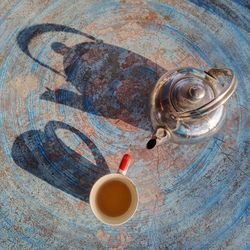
190,89
182,91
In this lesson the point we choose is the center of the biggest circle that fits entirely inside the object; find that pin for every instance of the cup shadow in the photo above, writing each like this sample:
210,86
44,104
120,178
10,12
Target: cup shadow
47,157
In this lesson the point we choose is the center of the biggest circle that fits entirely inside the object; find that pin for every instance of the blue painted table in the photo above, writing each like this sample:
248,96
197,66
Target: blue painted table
75,77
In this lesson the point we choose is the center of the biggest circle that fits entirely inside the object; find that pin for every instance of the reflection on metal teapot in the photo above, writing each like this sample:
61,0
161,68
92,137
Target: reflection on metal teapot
187,105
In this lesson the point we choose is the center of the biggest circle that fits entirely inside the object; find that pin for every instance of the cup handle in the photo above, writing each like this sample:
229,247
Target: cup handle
125,162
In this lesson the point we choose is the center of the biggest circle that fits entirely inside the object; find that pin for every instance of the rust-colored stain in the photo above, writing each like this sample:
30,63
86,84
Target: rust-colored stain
81,205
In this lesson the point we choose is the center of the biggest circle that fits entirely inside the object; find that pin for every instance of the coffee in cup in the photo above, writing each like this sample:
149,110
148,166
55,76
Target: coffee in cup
114,198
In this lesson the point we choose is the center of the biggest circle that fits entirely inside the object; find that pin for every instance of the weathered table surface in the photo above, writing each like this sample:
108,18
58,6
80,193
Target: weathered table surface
75,77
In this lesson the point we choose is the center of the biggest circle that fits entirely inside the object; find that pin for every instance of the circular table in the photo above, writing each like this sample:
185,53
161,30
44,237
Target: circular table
75,80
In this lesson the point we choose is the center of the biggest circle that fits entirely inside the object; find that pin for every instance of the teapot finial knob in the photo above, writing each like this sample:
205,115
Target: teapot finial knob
196,92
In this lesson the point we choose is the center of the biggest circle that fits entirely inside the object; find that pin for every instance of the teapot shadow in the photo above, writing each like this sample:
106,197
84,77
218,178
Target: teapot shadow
47,157
111,81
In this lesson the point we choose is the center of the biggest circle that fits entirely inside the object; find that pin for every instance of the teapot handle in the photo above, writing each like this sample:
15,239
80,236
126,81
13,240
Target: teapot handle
217,101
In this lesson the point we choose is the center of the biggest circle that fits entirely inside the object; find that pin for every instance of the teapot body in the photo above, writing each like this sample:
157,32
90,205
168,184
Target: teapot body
195,130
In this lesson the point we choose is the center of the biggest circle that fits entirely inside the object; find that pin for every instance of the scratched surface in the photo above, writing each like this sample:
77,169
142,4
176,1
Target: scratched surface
75,77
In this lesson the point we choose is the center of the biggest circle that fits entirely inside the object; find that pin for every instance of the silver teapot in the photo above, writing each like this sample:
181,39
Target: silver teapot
187,105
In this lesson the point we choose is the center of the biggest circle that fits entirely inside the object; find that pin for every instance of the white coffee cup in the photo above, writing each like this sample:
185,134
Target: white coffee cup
120,176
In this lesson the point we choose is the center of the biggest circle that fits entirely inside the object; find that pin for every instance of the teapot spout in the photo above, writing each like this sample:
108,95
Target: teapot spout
160,135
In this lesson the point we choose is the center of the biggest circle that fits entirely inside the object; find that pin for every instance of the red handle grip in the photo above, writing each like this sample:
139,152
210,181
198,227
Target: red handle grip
126,160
